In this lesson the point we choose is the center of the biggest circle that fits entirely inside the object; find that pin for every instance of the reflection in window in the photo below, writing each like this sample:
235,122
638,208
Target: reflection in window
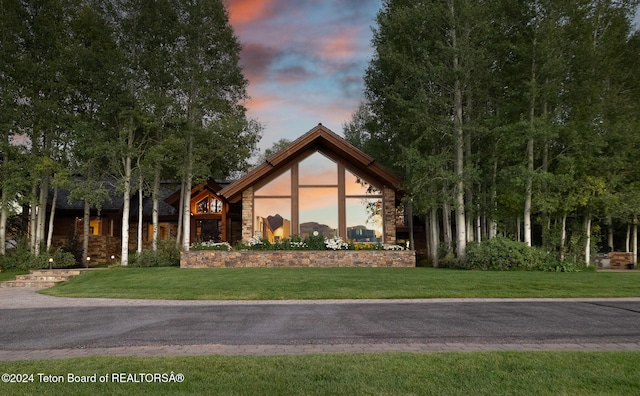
272,218
355,185
209,205
318,211
278,187
216,205
203,206
364,219
209,230
318,170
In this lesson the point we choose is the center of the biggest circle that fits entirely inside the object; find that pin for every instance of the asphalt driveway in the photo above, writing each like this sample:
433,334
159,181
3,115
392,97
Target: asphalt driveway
32,325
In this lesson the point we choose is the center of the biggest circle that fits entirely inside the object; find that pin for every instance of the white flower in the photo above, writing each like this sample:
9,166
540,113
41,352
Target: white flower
393,247
336,244
299,245
213,245
253,241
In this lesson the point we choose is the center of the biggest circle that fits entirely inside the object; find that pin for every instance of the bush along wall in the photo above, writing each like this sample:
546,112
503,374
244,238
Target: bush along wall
504,254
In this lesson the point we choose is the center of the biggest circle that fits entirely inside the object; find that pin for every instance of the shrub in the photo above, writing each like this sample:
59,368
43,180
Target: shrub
167,255
311,242
22,259
210,245
504,254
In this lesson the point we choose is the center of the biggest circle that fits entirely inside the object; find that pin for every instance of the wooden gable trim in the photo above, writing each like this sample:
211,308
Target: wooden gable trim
322,139
212,186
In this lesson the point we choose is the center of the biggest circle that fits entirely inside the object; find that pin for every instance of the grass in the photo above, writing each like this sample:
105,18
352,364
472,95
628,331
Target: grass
478,373
342,283
10,275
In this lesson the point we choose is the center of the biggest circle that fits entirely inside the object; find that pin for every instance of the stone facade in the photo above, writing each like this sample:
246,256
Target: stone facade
389,215
296,258
247,214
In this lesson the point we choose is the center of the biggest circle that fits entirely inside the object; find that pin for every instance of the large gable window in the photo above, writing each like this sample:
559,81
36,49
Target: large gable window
209,204
318,195
272,209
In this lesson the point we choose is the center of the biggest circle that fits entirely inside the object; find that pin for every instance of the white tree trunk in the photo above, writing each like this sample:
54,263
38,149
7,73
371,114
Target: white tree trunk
446,223
635,243
435,235
3,222
628,240
493,228
587,247
85,232
124,248
33,218
180,214
52,218
42,213
461,225
528,194
140,214
186,217
154,215
563,237
609,234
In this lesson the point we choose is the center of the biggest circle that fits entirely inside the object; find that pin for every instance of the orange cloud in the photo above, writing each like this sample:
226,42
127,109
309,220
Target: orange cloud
243,11
341,46
260,103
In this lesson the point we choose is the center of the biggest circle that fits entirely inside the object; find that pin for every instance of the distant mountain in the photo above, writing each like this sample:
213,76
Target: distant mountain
310,227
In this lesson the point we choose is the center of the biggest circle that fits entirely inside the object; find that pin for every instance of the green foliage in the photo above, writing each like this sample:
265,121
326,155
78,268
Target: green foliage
199,245
22,259
504,254
311,242
315,242
167,255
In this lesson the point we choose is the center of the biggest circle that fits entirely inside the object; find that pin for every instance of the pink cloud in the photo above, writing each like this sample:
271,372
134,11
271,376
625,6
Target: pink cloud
262,102
341,46
245,11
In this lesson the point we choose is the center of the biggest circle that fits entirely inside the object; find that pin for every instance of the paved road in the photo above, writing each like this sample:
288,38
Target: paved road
33,326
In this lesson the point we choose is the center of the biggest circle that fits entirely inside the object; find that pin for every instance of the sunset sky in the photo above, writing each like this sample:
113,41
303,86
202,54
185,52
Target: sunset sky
304,60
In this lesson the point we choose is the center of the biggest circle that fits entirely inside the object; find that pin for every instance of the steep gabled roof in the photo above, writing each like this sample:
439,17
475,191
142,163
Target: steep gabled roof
212,185
322,139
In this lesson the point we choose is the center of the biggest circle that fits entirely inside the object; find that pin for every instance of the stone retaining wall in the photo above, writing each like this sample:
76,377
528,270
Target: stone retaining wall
296,258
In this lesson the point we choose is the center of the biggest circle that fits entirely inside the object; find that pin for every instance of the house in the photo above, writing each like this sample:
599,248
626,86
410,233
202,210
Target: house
318,185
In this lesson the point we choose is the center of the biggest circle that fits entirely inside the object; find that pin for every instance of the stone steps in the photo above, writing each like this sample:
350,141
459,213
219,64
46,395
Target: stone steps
42,278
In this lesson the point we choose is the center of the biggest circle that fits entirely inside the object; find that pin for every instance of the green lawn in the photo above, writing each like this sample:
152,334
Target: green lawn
479,373
10,275
342,283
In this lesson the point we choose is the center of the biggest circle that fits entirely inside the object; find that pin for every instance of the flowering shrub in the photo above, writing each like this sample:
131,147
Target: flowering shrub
312,242
335,244
210,245
393,247
376,246
299,245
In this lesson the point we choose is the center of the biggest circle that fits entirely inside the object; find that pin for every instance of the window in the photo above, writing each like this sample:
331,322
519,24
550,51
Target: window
318,193
272,209
209,204
318,211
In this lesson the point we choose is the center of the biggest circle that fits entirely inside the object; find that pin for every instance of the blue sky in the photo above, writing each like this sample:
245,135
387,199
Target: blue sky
304,60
